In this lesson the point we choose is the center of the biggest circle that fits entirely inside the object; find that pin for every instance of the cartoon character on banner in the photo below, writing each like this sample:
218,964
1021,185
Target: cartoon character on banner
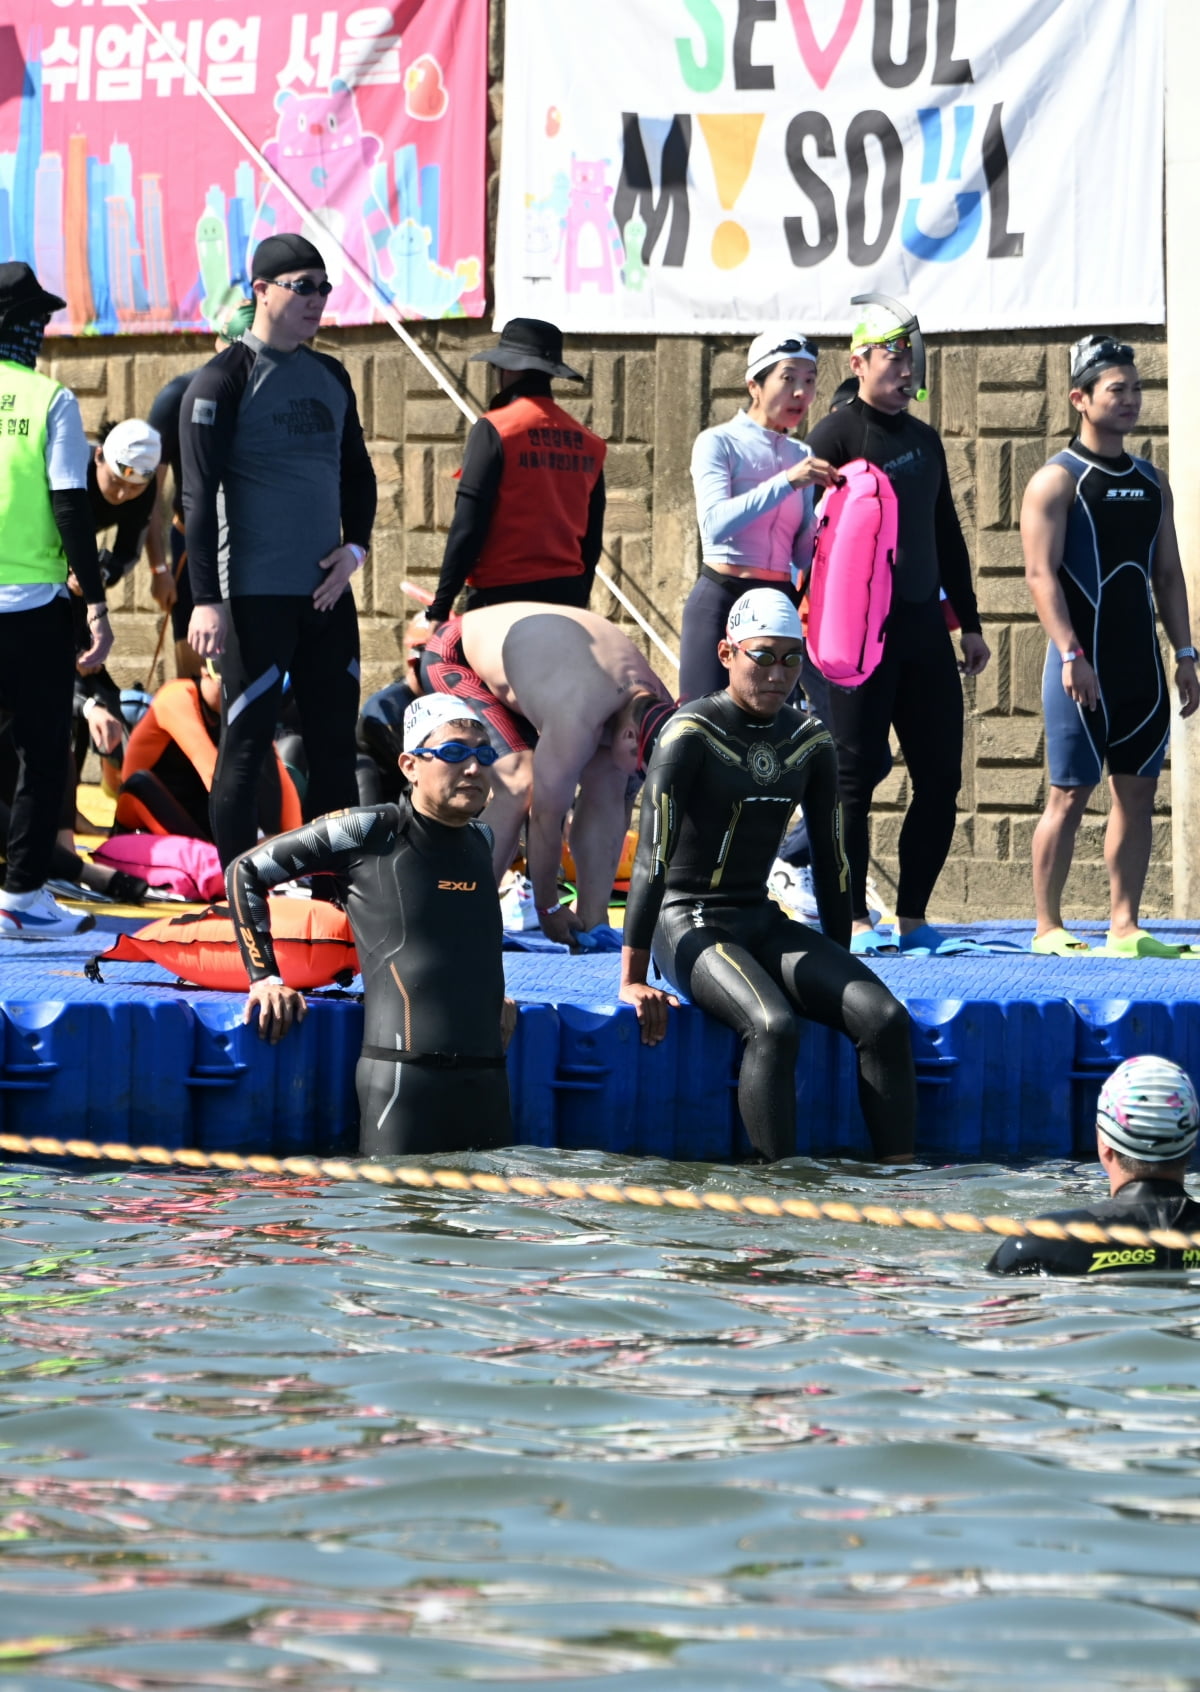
417,286
322,152
590,226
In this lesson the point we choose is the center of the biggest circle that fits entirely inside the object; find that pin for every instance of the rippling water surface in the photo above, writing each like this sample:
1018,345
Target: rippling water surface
273,1433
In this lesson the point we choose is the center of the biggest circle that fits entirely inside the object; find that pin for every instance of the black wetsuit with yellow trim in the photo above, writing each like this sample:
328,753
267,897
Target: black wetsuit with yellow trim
426,918
1138,1204
719,791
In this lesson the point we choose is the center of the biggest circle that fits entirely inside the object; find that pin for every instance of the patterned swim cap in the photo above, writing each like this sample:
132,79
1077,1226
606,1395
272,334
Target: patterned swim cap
1148,1110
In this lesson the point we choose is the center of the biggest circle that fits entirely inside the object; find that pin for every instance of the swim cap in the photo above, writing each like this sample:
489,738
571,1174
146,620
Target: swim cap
776,344
235,324
132,449
763,611
281,253
878,323
1095,353
430,711
1148,1110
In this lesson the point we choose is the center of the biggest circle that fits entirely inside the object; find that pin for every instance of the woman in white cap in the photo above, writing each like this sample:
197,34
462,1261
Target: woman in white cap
754,500
1146,1122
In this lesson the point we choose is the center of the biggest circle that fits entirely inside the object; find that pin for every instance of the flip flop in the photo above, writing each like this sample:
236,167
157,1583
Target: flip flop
1143,945
870,944
928,941
1058,943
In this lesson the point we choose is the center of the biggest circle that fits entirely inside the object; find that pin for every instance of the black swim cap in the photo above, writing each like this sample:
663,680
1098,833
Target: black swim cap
1095,353
280,253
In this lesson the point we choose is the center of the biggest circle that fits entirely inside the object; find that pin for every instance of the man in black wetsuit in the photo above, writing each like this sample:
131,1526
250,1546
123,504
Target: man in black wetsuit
1101,554
1146,1121
279,501
426,918
916,687
725,774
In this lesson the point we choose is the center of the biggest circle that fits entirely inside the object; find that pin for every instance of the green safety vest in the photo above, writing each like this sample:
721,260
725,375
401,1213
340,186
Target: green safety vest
31,548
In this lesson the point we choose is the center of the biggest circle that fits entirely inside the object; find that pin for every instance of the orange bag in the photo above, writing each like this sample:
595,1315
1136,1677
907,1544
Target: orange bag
313,944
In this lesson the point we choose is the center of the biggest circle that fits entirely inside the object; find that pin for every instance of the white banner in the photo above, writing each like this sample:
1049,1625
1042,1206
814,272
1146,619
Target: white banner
683,166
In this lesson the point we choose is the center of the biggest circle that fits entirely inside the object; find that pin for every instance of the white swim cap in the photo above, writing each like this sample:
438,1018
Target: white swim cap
430,711
774,345
1148,1110
133,449
764,611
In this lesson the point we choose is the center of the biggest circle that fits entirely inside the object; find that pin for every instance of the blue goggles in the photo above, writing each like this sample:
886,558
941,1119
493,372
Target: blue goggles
458,752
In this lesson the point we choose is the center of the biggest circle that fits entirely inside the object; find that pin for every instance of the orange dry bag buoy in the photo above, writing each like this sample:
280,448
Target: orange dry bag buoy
312,938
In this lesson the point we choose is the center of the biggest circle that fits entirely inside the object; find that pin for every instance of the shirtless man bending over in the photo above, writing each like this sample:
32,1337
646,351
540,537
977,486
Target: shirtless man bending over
573,708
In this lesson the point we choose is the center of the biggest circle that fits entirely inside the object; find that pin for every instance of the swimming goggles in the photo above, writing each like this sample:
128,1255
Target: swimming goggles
458,752
304,286
765,659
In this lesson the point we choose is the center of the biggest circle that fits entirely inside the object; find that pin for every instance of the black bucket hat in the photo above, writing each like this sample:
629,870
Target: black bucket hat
22,295
527,343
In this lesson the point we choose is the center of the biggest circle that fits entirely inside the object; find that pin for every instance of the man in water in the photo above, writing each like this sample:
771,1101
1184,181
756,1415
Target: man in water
1098,529
1146,1121
722,782
426,918
572,707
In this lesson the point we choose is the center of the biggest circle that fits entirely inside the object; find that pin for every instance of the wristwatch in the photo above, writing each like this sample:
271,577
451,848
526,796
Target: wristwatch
1187,652
1075,652
360,552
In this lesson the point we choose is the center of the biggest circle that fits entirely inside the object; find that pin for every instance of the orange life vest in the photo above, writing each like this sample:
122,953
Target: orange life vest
539,520
312,939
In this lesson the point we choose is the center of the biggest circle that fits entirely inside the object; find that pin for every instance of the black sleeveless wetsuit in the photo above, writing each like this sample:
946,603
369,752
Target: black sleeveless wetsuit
719,791
1112,528
426,918
916,687
1138,1204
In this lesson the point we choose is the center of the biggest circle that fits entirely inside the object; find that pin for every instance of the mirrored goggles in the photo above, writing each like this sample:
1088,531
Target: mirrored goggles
304,286
765,659
458,752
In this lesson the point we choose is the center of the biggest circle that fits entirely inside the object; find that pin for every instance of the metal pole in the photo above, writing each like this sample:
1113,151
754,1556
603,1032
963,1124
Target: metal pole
1183,417
365,282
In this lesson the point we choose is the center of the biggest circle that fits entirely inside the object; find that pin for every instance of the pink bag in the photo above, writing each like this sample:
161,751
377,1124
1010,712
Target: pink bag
188,867
850,587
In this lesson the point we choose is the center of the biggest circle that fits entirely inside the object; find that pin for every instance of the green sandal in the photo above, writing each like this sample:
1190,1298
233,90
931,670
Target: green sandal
1058,943
1142,945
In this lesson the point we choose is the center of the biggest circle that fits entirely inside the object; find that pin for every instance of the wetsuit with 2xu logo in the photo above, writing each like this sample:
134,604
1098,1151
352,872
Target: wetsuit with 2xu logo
1105,575
426,919
1138,1204
719,791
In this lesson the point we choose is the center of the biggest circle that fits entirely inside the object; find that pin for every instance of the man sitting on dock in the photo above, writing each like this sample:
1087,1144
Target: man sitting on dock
723,780
426,918
572,707
1146,1121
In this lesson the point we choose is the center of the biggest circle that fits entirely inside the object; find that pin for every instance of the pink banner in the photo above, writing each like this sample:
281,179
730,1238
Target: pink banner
131,198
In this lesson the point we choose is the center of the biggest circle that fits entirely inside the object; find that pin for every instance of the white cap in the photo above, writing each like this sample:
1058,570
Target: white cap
764,611
430,711
1148,1110
776,344
133,448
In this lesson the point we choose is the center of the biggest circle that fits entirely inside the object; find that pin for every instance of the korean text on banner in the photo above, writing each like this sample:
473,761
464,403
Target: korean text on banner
134,202
678,166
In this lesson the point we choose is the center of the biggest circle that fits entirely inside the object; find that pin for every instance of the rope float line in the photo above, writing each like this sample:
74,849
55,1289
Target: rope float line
605,1192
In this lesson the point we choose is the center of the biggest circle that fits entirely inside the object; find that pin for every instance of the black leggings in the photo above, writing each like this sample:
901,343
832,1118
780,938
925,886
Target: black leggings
37,670
754,969
268,637
704,618
415,1109
916,690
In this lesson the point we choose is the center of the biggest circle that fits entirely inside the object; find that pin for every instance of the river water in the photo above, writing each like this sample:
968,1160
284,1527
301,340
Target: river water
276,1433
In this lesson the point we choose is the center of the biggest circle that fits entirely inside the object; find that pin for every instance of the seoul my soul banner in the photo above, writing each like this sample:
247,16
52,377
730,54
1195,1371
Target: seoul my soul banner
136,203
704,165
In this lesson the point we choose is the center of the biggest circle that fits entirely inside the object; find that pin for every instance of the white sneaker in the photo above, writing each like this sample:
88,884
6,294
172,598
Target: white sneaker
793,889
517,906
41,919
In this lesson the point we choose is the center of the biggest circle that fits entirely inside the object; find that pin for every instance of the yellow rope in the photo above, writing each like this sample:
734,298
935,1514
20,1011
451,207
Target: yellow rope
606,1192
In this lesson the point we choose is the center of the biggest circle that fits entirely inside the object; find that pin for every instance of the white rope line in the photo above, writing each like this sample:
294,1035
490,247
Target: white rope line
366,283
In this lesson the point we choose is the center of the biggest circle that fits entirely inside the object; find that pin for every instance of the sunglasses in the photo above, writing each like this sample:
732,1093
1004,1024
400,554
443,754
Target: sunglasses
765,659
304,286
458,752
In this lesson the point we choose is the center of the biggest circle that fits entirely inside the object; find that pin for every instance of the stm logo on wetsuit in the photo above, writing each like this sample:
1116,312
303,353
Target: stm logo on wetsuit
1127,493
457,886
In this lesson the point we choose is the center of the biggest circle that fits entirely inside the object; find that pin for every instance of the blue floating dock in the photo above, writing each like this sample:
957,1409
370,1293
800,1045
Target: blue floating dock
1010,1052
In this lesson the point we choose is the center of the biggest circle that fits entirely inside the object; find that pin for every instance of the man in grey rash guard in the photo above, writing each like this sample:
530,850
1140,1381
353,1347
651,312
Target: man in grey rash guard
279,501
